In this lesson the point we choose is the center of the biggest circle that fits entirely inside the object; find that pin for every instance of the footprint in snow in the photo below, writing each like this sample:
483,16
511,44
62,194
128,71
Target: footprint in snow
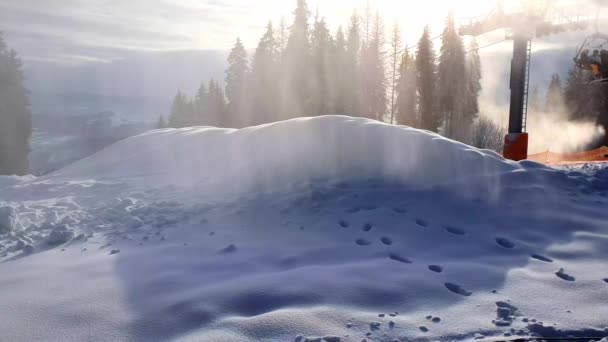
353,210
563,275
458,289
422,223
229,249
399,258
363,242
400,210
541,258
506,243
423,329
455,231
344,224
368,227
387,241
114,251
606,280
436,268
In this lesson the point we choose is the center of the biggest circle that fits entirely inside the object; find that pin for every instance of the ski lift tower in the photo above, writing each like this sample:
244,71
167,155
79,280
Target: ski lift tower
523,23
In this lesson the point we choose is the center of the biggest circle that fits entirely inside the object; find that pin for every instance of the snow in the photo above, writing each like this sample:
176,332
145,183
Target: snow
332,228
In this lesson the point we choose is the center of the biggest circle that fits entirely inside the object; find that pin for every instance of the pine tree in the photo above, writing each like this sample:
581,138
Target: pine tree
322,95
373,77
379,79
264,87
351,77
297,64
200,106
579,96
236,86
178,117
282,35
555,99
452,81
217,107
534,103
340,75
426,82
406,92
15,114
395,59
162,123
473,85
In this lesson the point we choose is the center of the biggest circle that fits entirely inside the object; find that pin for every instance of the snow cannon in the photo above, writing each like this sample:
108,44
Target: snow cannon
516,146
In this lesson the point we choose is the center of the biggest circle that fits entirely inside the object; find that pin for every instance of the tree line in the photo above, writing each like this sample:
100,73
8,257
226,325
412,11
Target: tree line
15,114
578,97
306,70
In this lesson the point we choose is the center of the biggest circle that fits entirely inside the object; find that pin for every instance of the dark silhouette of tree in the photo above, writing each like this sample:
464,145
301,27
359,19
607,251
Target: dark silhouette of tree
340,72
181,111
264,87
351,78
452,81
555,95
15,114
426,83
236,87
217,107
201,103
472,84
395,60
373,77
579,95
162,123
534,102
406,92
322,87
297,86
488,135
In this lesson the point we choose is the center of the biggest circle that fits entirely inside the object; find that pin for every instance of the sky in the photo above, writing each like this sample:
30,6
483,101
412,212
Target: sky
70,31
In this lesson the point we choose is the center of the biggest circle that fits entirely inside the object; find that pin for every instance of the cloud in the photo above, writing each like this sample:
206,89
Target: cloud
102,29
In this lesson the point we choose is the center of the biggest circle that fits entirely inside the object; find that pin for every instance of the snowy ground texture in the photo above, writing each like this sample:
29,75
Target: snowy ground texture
333,229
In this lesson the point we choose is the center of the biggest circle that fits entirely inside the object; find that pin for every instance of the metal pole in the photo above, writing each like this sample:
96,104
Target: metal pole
518,82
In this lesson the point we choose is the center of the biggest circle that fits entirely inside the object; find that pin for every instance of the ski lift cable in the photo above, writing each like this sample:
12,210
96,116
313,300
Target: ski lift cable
486,46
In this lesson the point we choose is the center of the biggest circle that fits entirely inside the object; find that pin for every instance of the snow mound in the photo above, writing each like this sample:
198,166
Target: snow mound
369,232
289,153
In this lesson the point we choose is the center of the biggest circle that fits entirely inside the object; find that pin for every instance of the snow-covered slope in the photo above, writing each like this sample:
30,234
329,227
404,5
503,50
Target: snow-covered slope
330,227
